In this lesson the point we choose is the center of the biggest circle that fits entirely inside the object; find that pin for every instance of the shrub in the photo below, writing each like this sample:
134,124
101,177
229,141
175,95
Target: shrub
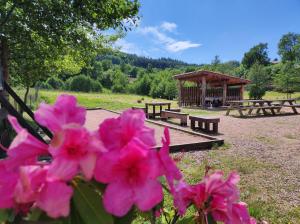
55,83
45,85
96,86
259,81
83,83
118,88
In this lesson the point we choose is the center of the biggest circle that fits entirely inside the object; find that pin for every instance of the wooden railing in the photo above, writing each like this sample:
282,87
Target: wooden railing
191,96
14,112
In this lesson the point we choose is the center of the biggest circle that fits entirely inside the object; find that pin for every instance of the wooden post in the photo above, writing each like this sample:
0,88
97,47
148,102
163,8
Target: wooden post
224,93
203,87
241,92
179,93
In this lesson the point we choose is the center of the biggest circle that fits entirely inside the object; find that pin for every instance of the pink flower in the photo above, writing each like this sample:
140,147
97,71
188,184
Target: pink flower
64,111
8,182
171,171
214,196
54,199
240,214
28,187
25,149
116,133
131,175
31,180
73,149
183,195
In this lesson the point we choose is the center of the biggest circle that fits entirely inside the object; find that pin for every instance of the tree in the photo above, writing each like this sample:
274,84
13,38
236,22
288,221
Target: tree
120,82
257,54
259,81
289,47
61,27
288,78
216,61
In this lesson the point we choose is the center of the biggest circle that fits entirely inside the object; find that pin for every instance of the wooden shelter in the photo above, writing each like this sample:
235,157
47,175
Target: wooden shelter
206,88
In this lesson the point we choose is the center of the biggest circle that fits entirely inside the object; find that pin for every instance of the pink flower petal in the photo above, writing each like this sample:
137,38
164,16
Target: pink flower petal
240,214
14,123
55,198
116,133
148,195
87,165
171,170
61,169
64,111
25,150
29,184
118,198
104,171
8,182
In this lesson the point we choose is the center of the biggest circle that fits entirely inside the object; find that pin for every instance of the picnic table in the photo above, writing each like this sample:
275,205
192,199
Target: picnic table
155,112
261,105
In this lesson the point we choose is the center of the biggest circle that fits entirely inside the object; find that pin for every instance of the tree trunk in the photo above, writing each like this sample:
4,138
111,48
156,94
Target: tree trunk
4,52
26,94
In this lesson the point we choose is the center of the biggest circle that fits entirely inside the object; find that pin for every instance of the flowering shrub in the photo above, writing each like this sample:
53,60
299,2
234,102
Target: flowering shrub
105,176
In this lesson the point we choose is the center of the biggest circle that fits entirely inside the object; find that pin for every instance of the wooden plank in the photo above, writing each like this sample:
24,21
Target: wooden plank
12,111
197,146
224,93
25,108
203,88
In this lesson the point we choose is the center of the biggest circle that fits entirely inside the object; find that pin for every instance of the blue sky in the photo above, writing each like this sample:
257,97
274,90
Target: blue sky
196,30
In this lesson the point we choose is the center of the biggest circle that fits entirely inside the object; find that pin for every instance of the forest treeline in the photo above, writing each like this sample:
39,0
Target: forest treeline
127,73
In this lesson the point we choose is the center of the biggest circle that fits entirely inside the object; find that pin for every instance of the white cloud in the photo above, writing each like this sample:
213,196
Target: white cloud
129,47
168,26
170,44
181,45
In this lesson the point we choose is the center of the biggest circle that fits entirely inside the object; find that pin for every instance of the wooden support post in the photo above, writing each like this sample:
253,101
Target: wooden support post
180,93
224,93
203,88
241,92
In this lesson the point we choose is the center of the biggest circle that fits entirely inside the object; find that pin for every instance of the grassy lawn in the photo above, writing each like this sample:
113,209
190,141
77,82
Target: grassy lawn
108,100
271,95
250,169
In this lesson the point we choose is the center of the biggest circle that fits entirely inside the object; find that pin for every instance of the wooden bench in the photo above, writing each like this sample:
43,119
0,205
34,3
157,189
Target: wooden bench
165,114
204,123
139,108
174,109
251,108
293,106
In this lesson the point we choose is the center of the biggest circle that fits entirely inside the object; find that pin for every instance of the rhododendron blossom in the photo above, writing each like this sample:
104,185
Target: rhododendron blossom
24,149
171,171
214,196
131,175
73,149
116,133
64,111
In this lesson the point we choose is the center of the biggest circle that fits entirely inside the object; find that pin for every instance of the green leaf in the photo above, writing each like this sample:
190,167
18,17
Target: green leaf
210,219
4,215
186,220
89,205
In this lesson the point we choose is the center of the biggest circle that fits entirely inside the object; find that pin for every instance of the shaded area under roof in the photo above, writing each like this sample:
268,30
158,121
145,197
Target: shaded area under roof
211,77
